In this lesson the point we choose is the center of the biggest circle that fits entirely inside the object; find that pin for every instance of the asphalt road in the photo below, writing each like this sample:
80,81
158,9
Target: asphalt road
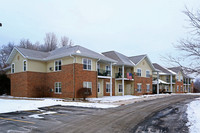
137,117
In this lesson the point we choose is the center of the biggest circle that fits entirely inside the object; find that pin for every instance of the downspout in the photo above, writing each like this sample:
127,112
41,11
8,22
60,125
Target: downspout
97,77
74,60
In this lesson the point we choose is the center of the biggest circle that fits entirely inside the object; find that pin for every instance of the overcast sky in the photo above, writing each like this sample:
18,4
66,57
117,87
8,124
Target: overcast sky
131,27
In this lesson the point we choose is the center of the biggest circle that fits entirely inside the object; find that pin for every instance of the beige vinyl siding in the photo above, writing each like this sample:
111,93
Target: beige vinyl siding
18,61
65,61
143,65
36,66
79,60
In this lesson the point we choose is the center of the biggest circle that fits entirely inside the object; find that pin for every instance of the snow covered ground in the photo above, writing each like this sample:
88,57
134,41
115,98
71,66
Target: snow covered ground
12,104
193,112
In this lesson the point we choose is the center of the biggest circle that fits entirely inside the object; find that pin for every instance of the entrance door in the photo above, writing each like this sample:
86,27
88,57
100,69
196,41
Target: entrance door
128,89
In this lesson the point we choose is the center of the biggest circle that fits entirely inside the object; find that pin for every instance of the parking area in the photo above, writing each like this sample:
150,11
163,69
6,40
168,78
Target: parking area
45,118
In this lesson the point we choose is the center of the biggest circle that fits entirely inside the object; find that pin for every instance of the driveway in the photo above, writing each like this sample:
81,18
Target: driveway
128,118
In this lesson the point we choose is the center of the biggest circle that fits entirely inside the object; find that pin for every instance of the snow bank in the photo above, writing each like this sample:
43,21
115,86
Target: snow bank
111,99
193,115
13,105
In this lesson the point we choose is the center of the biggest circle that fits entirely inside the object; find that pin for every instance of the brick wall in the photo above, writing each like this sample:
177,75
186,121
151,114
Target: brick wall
19,84
179,88
104,87
144,81
87,76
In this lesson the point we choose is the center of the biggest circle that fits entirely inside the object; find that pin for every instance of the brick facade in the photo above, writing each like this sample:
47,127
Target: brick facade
104,87
144,81
179,84
35,84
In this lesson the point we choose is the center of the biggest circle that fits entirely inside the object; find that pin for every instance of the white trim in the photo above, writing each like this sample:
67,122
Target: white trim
87,82
146,74
98,85
149,87
55,66
118,88
58,88
106,86
140,87
11,67
87,64
26,65
140,70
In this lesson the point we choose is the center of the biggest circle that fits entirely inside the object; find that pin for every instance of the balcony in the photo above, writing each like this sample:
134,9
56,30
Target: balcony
102,72
129,76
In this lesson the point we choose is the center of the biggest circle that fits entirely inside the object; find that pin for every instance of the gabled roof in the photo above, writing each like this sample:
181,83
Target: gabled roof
163,70
120,58
175,69
57,53
137,59
179,69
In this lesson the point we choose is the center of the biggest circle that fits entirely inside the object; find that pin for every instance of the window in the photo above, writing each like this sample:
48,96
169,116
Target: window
108,70
177,88
107,87
148,87
120,70
181,88
25,65
120,88
167,79
181,78
13,68
57,87
177,78
147,73
57,65
87,64
139,72
139,87
88,85
98,67
167,88
98,89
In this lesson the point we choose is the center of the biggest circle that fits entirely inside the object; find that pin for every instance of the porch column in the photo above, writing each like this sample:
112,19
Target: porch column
123,80
188,85
110,79
157,82
171,83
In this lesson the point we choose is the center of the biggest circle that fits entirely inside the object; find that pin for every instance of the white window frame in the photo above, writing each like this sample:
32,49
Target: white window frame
98,87
13,68
57,65
119,88
139,84
177,88
177,77
108,83
140,72
109,70
59,88
146,74
87,85
148,90
26,65
87,68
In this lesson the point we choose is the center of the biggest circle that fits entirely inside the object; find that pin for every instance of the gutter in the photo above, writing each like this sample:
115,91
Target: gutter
73,76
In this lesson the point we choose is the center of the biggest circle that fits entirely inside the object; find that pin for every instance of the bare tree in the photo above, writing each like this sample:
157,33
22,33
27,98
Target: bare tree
50,41
4,54
64,41
189,47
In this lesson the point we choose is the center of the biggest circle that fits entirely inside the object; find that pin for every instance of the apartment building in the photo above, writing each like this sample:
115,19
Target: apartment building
171,80
65,71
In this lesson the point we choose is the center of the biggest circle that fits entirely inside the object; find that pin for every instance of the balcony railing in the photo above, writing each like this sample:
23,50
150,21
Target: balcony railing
126,75
102,72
